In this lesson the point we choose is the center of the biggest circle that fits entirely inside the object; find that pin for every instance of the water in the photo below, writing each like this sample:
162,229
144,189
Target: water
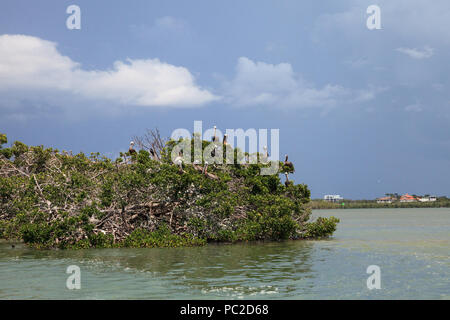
411,246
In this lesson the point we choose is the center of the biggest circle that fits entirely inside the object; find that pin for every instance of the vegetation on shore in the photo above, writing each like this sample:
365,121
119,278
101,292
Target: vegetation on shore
52,199
316,204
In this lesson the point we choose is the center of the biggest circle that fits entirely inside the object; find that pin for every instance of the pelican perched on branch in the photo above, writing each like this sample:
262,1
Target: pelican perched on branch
131,149
153,154
287,182
288,163
225,136
213,152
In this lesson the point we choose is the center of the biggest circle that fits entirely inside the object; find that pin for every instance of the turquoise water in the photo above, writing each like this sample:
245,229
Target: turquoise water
411,247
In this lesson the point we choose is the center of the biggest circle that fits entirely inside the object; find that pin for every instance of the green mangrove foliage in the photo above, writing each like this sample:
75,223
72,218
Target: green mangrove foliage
52,199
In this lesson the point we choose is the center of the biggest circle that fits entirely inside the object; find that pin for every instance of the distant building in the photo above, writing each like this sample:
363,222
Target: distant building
385,200
333,198
428,199
407,198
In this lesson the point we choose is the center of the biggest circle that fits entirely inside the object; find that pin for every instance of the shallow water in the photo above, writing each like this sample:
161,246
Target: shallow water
411,247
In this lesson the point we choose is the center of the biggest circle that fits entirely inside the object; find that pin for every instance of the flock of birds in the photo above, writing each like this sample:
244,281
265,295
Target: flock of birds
178,161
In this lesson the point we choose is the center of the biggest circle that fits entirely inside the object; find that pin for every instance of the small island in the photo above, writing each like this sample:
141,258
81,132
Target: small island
52,199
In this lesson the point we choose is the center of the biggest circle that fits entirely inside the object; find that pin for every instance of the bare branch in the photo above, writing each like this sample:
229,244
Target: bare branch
151,140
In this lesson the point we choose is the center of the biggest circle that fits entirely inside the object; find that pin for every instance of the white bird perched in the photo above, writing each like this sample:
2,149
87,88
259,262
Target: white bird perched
178,161
265,155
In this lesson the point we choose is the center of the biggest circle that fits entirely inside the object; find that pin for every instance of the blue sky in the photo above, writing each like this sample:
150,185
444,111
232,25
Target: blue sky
361,112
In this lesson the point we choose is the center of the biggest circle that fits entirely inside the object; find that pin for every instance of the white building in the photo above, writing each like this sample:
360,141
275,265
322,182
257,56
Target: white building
428,199
333,198
385,200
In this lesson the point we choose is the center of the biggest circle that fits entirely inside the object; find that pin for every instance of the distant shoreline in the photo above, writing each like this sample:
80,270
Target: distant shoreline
317,204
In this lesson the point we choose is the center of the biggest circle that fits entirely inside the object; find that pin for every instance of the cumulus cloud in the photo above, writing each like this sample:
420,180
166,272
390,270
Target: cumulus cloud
30,64
277,85
414,53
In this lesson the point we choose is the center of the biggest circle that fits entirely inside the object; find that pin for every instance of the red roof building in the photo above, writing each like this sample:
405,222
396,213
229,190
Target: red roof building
407,198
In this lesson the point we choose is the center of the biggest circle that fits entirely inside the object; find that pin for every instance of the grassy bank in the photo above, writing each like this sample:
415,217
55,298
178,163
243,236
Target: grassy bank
362,204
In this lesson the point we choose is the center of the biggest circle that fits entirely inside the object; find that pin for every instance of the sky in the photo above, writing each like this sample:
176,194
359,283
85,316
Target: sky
361,112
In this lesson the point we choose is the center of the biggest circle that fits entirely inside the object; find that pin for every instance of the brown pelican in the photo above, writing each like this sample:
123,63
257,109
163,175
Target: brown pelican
225,136
131,149
196,167
152,153
287,182
288,163
213,152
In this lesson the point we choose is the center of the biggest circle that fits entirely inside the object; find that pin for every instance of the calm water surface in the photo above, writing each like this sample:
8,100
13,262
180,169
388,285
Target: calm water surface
411,246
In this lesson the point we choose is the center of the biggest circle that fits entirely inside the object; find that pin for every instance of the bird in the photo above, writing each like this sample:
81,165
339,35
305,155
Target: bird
225,136
179,161
152,153
287,182
214,138
131,149
205,168
288,163
213,152
196,167
266,154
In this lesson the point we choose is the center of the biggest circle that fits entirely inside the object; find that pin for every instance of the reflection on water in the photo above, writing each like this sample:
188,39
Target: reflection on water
410,246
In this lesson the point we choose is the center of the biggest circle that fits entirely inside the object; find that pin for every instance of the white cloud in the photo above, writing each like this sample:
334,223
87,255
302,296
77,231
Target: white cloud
415,53
33,65
411,30
277,85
